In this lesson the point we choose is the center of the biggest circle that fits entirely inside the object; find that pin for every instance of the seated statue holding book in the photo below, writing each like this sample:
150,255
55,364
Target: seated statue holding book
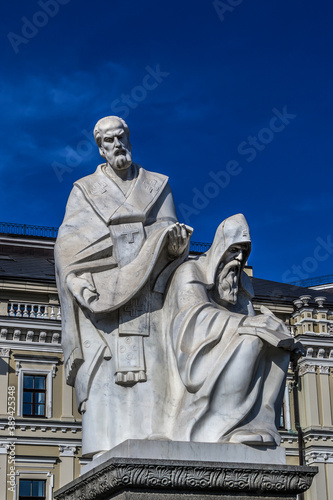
227,365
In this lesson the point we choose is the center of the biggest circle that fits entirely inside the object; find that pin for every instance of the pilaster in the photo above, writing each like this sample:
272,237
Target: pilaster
310,413
3,471
4,370
67,457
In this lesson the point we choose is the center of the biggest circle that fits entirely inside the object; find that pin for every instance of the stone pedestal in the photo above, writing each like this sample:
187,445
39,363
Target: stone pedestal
142,478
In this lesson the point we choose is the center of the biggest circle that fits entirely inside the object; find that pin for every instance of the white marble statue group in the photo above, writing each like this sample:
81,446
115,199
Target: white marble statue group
157,344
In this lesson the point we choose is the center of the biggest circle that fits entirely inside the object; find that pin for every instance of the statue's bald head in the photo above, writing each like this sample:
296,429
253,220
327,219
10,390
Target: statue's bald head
107,123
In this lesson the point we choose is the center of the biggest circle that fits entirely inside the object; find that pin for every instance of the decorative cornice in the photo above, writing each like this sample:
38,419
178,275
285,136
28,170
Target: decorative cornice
4,352
42,441
40,461
324,370
318,436
289,439
193,477
3,447
30,347
52,361
307,368
27,334
318,456
52,427
67,451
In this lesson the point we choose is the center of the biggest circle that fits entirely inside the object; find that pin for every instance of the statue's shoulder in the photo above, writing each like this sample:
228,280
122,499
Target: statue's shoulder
91,179
151,176
189,271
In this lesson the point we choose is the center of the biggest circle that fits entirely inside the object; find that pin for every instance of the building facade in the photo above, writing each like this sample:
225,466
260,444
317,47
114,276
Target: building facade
40,427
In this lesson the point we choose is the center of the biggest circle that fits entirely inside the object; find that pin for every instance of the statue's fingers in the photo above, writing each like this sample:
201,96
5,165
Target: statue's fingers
171,233
189,229
183,232
179,234
176,234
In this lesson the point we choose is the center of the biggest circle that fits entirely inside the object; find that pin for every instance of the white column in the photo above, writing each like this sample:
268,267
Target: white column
287,407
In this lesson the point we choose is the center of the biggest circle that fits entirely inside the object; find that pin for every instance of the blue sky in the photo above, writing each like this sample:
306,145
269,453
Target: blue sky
232,100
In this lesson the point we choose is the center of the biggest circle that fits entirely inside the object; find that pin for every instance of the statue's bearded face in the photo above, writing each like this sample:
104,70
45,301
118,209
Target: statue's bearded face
228,274
115,148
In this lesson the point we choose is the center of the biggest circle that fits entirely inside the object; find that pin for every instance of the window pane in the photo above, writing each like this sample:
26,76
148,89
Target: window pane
25,487
27,397
27,409
40,409
39,382
40,397
38,488
28,382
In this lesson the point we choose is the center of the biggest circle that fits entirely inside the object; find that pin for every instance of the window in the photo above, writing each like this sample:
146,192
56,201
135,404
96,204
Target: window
32,489
282,419
34,395
35,379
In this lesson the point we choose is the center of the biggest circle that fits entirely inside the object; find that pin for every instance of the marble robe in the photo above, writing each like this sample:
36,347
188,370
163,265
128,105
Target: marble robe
220,381
112,353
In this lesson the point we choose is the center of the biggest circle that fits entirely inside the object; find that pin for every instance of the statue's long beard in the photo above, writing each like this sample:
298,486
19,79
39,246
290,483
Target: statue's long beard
123,161
228,283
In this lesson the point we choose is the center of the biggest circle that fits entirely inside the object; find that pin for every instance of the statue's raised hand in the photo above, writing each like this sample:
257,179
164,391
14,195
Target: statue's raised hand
179,236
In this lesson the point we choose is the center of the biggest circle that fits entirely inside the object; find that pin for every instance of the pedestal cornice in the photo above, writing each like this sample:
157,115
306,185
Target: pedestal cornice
221,479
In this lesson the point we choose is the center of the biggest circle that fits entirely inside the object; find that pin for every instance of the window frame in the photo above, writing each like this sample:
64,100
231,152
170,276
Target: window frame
48,394
34,391
46,476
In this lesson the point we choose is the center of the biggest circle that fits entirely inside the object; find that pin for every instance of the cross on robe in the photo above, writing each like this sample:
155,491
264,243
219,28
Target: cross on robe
130,235
134,308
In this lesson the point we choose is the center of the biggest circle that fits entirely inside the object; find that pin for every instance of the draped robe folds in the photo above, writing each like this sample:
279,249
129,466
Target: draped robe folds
113,352
220,382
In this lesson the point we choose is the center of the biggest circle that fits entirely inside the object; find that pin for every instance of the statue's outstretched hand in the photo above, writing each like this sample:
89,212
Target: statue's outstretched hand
179,236
266,320
269,328
83,288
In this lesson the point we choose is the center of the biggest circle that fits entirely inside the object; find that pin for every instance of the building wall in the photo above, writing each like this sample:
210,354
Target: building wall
49,448
30,343
310,319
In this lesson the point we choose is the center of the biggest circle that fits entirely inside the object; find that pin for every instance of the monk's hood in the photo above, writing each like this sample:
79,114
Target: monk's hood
230,232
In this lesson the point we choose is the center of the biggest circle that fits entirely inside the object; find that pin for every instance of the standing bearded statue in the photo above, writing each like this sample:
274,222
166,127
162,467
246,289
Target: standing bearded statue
116,248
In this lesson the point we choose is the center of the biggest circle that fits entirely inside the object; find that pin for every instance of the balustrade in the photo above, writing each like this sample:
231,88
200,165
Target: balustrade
33,310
